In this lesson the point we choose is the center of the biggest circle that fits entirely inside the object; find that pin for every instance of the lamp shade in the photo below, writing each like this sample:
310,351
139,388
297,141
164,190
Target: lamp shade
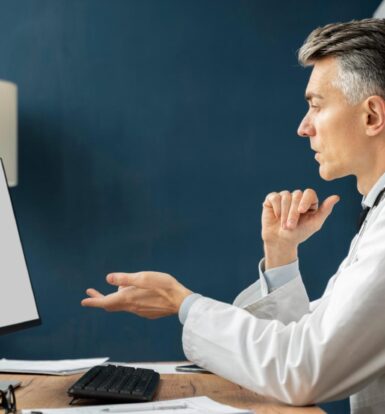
8,130
380,12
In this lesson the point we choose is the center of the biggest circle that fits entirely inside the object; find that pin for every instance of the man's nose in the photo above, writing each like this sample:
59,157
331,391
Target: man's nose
306,128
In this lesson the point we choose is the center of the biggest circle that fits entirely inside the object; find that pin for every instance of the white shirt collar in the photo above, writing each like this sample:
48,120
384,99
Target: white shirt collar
370,198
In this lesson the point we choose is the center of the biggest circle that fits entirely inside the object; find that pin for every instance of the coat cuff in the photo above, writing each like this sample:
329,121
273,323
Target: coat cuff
276,277
186,305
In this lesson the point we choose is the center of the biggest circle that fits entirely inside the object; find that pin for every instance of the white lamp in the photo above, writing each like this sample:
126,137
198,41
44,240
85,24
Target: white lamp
380,12
8,130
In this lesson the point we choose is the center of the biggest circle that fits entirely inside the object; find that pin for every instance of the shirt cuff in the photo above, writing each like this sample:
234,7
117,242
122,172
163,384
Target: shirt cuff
278,276
186,305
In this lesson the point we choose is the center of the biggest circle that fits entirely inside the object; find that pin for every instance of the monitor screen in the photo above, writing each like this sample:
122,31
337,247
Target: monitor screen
18,308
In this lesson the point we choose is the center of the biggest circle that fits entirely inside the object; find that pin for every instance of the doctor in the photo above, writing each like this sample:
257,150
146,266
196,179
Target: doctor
272,340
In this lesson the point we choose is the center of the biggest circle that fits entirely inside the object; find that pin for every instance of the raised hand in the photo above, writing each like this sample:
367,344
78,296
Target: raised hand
148,294
288,219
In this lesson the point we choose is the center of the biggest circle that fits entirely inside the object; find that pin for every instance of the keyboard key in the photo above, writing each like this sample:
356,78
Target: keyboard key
87,377
142,384
101,377
129,385
117,384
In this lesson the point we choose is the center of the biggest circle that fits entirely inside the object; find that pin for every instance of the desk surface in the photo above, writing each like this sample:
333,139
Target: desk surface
43,391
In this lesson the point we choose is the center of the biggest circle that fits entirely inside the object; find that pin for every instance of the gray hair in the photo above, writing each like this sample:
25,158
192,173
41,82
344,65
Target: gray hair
359,48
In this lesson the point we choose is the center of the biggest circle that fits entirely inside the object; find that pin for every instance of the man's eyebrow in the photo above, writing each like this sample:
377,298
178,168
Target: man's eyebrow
310,95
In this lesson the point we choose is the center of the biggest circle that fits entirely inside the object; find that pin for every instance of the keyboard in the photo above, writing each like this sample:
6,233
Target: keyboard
116,383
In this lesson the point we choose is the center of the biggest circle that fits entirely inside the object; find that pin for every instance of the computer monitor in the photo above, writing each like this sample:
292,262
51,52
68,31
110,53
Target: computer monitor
18,308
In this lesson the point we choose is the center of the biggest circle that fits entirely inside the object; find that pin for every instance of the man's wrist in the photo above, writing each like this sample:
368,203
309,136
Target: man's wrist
182,295
279,255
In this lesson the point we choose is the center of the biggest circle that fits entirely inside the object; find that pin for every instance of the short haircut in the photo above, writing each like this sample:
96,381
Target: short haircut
359,48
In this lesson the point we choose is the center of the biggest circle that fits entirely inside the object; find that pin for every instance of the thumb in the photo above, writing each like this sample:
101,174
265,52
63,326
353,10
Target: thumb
327,207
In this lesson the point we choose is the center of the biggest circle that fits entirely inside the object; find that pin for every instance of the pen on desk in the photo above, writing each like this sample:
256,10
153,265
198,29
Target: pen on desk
144,409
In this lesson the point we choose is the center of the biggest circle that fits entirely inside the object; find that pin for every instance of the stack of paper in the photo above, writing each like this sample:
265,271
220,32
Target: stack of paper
195,405
60,367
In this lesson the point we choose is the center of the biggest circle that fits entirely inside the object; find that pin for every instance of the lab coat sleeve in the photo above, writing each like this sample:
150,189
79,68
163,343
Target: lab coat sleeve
286,303
326,354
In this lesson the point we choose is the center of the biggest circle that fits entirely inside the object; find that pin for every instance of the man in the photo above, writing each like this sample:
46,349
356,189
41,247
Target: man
272,340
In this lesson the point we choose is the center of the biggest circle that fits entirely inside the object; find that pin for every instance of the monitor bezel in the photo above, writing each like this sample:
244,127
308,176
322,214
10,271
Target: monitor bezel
20,326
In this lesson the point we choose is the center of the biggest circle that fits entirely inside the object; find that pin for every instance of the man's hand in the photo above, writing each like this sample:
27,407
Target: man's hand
148,294
288,219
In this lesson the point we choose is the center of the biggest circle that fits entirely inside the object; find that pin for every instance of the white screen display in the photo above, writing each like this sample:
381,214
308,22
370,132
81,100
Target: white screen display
17,302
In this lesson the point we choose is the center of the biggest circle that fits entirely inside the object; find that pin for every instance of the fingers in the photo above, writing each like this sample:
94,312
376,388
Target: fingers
302,203
92,303
98,300
93,293
309,201
108,302
289,206
285,207
294,213
273,200
143,280
126,279
94,298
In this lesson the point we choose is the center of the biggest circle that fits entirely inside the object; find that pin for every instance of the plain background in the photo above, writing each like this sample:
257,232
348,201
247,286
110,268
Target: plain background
150,132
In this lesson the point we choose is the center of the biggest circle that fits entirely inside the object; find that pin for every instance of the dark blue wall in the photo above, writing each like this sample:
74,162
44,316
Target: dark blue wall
150,132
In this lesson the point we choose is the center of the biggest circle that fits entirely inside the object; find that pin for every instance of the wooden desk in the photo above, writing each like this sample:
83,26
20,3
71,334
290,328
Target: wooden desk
43,391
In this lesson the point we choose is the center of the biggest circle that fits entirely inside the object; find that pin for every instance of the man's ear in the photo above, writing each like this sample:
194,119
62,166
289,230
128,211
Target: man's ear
374,115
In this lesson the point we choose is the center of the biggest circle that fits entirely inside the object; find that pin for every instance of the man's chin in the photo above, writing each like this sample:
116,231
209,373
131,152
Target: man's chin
327,175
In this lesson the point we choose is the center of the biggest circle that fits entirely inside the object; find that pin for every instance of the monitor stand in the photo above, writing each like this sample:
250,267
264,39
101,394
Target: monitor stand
5,384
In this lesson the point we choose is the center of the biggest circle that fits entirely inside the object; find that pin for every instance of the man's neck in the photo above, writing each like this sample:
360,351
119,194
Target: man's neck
366,183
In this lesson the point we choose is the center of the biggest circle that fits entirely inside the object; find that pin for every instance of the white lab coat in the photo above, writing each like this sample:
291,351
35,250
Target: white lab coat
299,352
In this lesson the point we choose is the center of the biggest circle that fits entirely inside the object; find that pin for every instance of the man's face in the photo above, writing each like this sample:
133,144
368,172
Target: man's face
334,127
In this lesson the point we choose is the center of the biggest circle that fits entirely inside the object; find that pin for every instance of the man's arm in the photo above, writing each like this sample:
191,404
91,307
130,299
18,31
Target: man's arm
287,220
329,353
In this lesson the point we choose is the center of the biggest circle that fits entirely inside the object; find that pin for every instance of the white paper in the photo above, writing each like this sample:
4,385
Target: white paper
59,367
195,405
161,367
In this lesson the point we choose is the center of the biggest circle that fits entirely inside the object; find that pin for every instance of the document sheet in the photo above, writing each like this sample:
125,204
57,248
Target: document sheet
195,405
59,367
